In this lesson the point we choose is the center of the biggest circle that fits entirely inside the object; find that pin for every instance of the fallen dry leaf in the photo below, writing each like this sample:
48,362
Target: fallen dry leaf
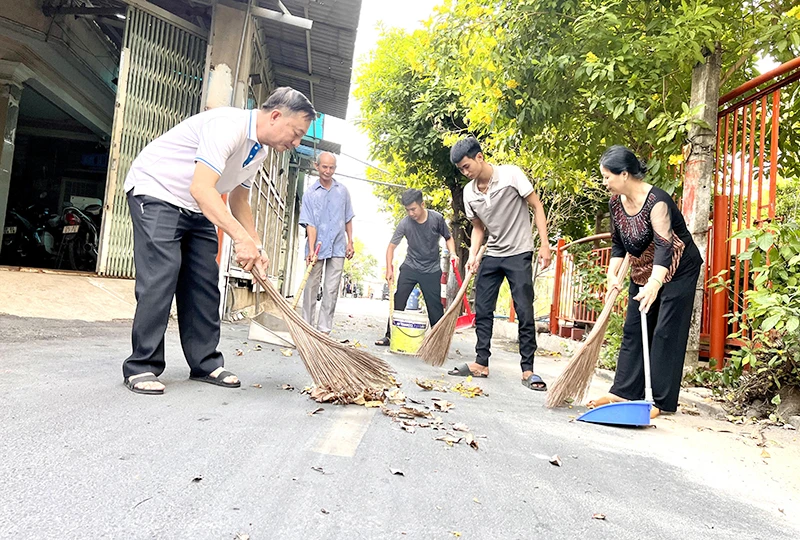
692,411
373,404
460,427
398,472
242,536
287,387
468,390
599,516
286,352
476,500
197,479
456,533
256,385
389,412
429,384
414,411
395,396
408,428
470,440
257,348
239,352
420,402
765,454
442,405
555,460
449,439
324,511
315,411
320,470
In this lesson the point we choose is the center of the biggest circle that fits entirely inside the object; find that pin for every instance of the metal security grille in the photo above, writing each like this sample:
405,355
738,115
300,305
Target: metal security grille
160,84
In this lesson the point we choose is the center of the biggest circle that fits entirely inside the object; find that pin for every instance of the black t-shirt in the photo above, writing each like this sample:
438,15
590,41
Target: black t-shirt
423,241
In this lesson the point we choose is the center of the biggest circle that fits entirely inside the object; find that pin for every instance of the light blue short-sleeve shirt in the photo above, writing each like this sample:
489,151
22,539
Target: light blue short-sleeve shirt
327,210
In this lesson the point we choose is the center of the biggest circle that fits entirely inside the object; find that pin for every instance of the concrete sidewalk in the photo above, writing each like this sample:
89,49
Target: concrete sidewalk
65,295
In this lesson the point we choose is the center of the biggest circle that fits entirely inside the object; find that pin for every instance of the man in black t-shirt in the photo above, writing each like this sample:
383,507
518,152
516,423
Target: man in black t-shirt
422,229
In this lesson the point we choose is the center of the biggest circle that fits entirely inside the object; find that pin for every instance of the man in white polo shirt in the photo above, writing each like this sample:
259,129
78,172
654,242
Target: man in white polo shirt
496,200
173,189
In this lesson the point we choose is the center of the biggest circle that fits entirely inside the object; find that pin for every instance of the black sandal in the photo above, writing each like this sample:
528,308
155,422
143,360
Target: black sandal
534,382
219,380
383,342
146,377
464,371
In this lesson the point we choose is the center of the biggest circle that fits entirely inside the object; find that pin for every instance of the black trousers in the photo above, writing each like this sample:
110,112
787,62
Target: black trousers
519,272
175,254
429,283
668,330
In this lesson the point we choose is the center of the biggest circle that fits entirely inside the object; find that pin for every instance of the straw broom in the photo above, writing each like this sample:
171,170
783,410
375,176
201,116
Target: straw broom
574,380
436,344
344,370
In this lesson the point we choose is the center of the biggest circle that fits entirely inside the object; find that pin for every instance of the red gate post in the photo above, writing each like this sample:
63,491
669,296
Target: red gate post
719,267
554,306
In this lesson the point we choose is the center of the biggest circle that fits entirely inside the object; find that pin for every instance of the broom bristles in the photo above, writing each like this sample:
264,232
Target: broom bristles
345,370
436,344
573,383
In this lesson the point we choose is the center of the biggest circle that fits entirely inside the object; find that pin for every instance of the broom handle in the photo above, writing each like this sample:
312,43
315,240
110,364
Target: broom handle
391,301
648,389
463,290
309,268
458,278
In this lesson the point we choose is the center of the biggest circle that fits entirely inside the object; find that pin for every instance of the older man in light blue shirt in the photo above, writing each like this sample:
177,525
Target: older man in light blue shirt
327,215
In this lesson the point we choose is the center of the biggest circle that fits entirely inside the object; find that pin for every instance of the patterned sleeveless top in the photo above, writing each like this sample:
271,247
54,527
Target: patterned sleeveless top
657,234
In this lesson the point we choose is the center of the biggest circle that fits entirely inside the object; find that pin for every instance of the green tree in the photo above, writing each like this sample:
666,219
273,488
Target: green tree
406,110
362,265
549,84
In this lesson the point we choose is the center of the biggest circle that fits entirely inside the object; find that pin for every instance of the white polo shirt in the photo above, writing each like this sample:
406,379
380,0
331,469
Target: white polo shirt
223,138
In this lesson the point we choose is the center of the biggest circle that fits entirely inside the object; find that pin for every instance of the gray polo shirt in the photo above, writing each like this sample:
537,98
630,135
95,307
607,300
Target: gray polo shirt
423,241
503,210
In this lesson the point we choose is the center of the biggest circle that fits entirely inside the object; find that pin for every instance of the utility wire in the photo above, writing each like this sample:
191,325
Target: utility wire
370,181
366,163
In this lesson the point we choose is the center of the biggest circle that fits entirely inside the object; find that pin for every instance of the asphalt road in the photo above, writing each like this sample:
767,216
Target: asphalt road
82,457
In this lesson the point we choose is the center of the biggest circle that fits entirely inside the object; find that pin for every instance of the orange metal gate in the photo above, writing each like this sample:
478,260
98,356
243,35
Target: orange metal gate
747,157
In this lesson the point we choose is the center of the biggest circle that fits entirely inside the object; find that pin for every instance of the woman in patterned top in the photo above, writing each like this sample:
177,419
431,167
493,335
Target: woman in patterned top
665,265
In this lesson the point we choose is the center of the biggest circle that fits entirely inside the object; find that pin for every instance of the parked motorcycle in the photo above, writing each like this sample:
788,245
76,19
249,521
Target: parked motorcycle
30,237
81,236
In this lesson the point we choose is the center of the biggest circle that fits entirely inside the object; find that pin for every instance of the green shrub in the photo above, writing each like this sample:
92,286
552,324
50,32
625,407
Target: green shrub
769,322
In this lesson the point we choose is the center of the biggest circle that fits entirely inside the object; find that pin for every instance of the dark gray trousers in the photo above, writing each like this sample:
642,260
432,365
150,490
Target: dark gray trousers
175,254
430,285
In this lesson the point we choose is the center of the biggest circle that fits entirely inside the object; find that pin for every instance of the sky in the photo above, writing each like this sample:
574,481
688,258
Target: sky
370,225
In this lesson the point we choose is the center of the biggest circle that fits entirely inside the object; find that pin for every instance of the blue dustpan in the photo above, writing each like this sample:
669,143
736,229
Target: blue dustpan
627,413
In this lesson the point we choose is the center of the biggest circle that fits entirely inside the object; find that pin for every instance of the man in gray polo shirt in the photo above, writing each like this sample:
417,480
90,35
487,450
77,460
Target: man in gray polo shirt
496,200
422,229
173,189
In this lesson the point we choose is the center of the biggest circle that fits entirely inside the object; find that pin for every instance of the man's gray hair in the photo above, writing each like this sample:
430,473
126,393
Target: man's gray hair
291,100
323,153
